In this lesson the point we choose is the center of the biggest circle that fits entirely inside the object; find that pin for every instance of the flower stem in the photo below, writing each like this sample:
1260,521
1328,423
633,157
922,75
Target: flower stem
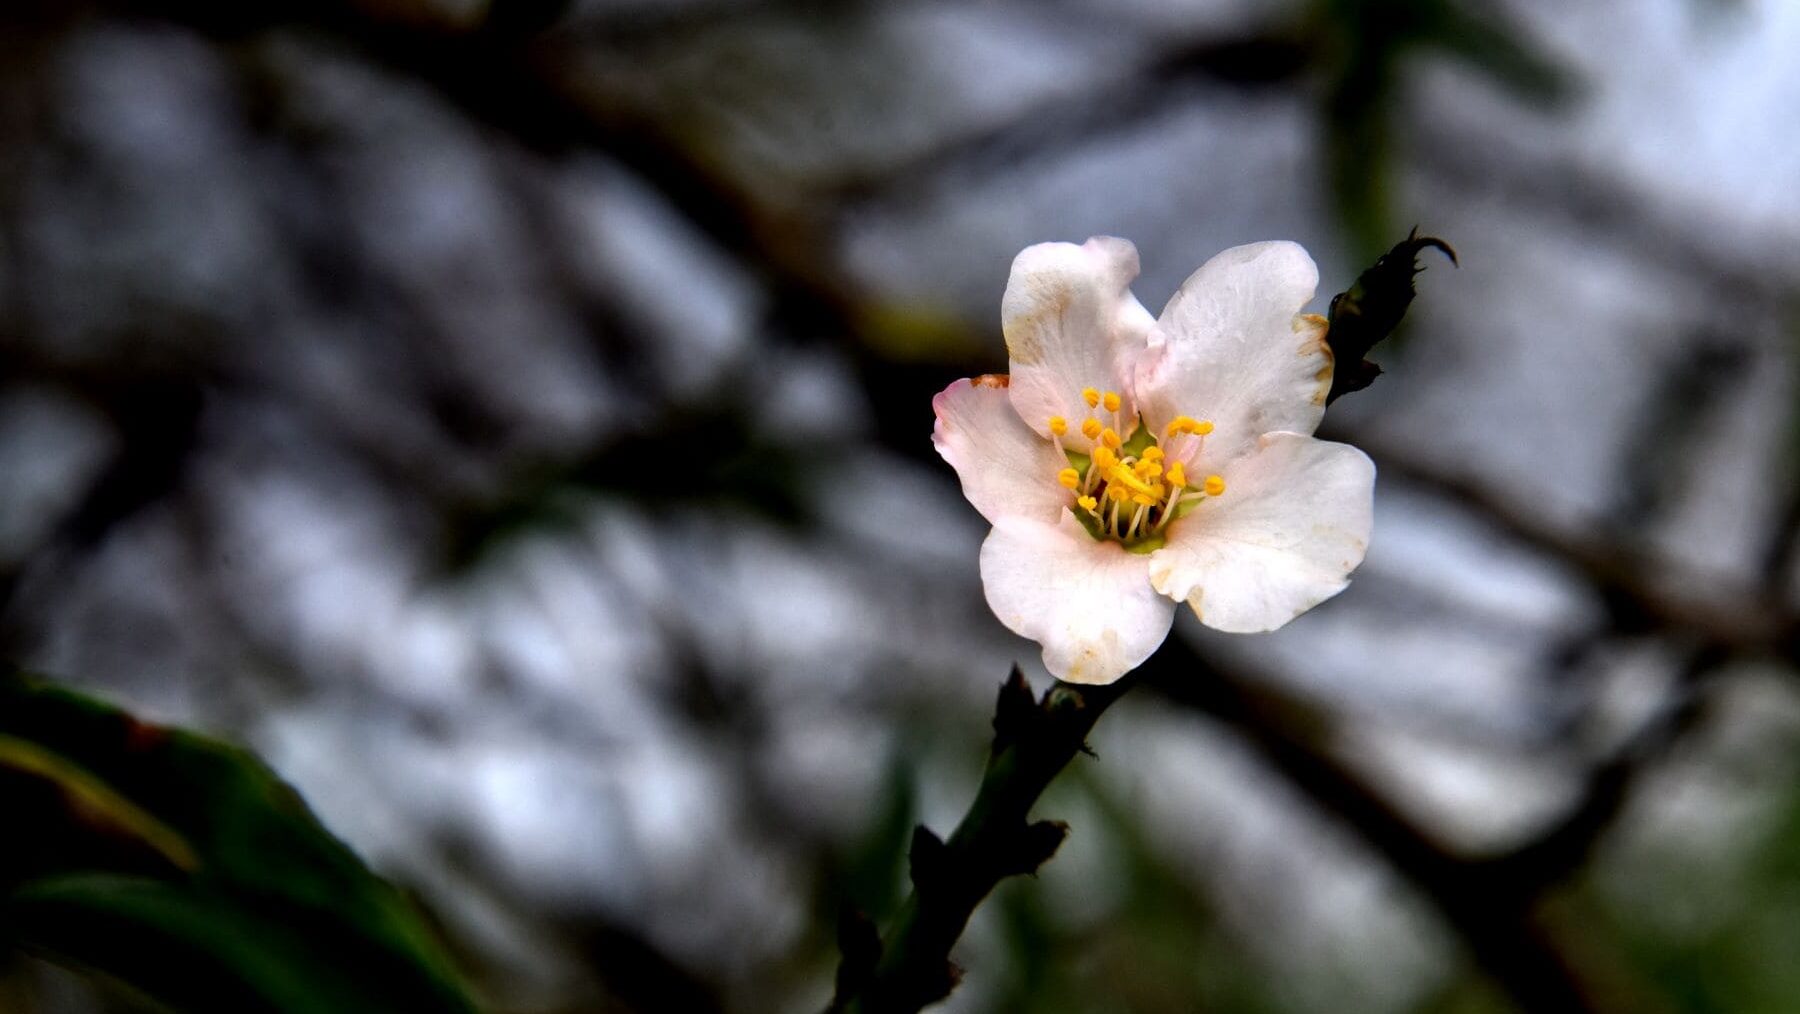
1033,741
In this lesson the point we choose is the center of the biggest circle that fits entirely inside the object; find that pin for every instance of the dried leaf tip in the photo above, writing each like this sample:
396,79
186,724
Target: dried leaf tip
1013,711
1367,312
1037,845
927,858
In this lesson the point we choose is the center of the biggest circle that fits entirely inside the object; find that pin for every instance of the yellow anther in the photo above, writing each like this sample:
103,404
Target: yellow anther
1091,428
1214,485
1152,454
1177,475
1117,491
1069,478
1087,503
1104,458
1058,425
1123,477
1091,396
1111,401
1144,500
1110,438
1203,427
1149,469
1181,424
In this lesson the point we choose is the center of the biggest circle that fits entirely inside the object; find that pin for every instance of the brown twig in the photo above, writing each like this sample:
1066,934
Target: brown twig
1033,741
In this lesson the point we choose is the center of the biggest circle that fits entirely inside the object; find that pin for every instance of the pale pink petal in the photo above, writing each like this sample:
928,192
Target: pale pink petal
1292,524
1231,348
1089,603
1072,323
1006,470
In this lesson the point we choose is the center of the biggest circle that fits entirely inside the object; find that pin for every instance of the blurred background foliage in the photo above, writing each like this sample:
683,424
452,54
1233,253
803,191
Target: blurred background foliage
510,420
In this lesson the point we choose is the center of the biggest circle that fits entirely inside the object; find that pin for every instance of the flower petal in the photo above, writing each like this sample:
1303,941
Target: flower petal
1072,323
1230,348
1292,524
1006,470
1087,602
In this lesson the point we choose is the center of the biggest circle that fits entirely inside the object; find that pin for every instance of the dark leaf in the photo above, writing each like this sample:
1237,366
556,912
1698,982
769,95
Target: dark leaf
186,869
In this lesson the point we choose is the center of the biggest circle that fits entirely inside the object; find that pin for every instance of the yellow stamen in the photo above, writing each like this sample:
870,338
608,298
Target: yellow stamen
1111,401
1177,475
1091,428
1104,458
1069,478
1087,503
1058,425
1214,485
1203,427
1091,396
1181,424
1110,438
1117,491
1153,454
1122,478
1148,469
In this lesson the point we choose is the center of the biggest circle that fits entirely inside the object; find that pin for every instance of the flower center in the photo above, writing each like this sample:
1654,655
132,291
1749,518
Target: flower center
1129,488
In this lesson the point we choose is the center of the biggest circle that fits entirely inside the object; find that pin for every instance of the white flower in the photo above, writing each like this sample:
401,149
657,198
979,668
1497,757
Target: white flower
1128,464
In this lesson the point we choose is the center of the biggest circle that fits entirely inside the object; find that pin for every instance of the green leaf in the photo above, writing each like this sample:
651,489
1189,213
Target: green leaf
185,869
93,802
